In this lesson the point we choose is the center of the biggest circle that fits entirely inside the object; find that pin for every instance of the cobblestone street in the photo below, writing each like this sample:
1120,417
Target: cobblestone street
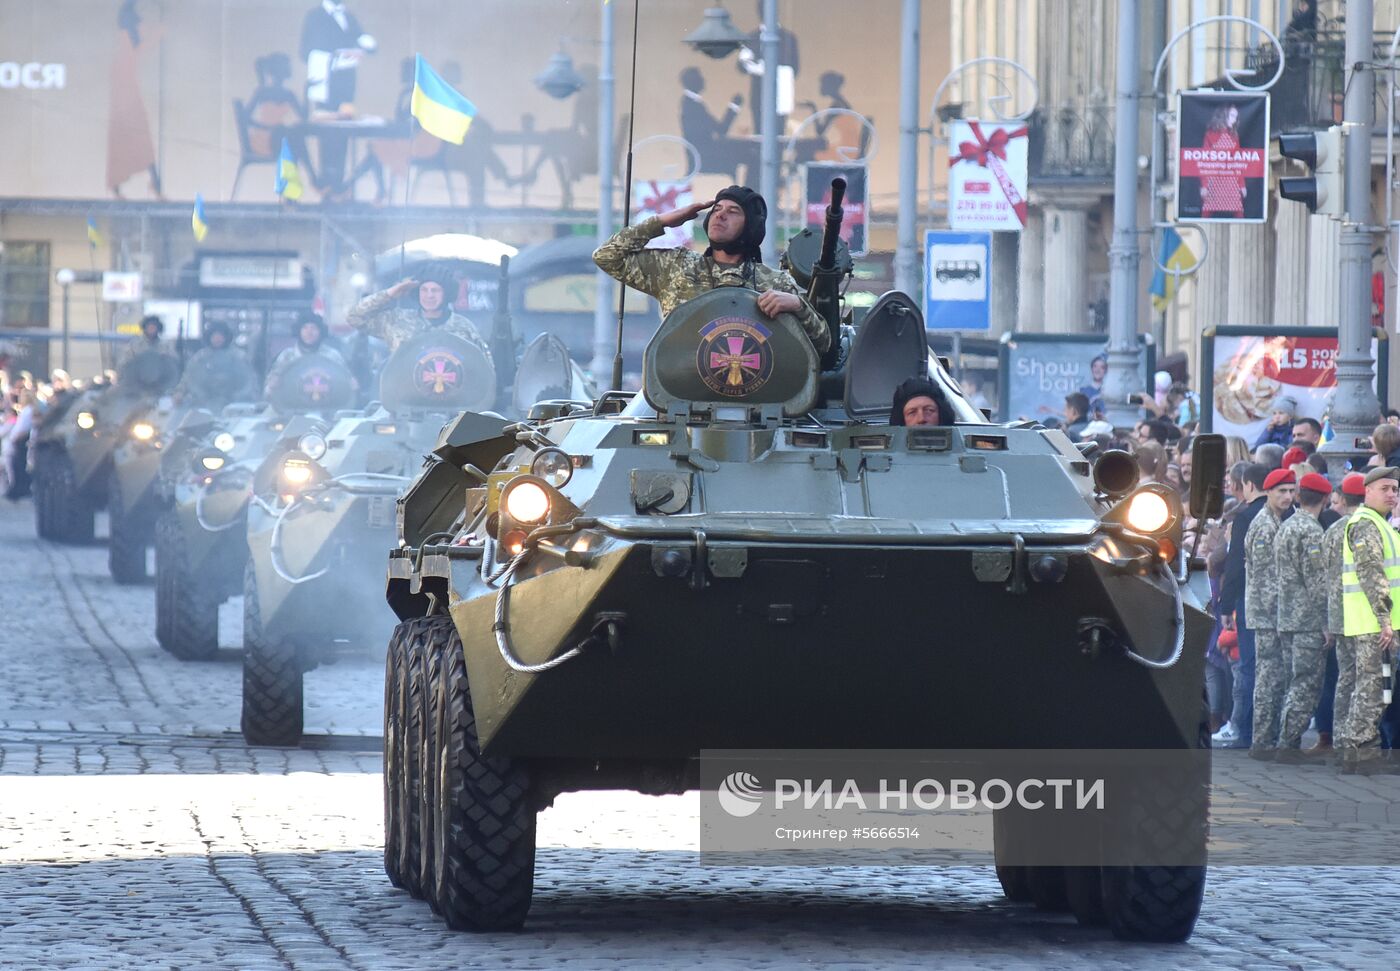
137,831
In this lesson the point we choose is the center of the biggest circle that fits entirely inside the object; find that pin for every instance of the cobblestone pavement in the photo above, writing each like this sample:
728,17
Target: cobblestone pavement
136,831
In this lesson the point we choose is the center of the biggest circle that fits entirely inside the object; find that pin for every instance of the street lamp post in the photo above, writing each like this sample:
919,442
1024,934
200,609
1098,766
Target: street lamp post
768,155
906,253
602,306
65,278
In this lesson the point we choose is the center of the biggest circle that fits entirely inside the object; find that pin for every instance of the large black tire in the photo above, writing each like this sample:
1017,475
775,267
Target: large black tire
417,872
394,683
431,768
484,820
1084,893
43,514
272,688
1160,904
187,612
128,537
70,515
1014,878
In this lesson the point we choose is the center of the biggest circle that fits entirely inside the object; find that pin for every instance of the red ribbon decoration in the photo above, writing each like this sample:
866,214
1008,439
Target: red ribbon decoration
659,201
989,153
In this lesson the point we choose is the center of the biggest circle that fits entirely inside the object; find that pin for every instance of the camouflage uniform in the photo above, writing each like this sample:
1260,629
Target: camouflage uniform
1302,615
1346,651
1364,711
295,353
1271,667
674,276
192,388
377,316
139,345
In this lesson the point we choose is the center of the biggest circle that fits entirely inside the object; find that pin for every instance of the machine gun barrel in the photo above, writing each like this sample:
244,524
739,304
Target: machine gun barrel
502,335
832,232
824,294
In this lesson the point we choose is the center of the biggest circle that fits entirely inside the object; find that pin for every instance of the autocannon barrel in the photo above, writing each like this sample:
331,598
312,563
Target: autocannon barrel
832,232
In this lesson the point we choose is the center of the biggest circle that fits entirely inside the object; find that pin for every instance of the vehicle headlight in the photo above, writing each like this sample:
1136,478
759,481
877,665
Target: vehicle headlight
86,420
526,501
313,445
1148,512
212,462
143,431
554,466
296,471
224,442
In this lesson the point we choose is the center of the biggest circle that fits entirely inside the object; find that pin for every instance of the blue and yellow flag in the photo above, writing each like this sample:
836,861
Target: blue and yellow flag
94,237
438,107
288,176
198,223
1174,255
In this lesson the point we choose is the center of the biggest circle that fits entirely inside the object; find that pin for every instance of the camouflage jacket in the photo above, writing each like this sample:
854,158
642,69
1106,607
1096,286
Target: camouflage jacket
193,387
1332,555
139,345
674,276
1260,572
1302,574
377,316
1369,551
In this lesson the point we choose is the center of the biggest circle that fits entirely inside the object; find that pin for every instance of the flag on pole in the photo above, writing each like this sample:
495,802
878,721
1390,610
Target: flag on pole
198,223
288,176
1174,255
1327,433
440,109
94,237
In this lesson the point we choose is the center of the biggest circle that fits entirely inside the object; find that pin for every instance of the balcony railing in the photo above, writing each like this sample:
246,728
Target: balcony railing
1071,141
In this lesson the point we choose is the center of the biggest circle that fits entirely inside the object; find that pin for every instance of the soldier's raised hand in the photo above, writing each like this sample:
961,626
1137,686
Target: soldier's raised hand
402,287
683,215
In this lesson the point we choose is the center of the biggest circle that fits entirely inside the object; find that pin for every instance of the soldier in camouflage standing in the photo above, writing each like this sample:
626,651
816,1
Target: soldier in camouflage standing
736,226
1352,492
1302,612
1370,572
1261,607
379,316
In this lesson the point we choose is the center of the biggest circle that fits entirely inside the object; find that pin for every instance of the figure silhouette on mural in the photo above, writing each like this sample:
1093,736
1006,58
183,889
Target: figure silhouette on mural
332,44
840,131
275,112
130,148
719,153
571,152
751,63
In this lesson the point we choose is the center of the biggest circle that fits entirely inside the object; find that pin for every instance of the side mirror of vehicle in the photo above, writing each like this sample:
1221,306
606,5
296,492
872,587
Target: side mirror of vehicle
1207,477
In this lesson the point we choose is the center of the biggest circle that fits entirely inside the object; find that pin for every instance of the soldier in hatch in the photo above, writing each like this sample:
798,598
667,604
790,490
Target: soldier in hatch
218,373
151,329
311,339
378,315
736,227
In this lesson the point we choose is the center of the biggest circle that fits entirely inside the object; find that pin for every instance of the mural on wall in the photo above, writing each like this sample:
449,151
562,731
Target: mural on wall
130,148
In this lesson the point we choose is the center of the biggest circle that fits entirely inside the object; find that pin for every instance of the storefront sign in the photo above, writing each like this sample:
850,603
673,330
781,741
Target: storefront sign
121,287
957,281
1038,370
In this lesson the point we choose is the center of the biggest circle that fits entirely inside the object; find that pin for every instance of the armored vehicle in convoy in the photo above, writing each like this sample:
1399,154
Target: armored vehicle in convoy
590,598
73,468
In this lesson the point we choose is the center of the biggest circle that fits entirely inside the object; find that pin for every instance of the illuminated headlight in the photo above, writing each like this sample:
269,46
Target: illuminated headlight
143,431
554,466
296,472
313,445
224,442
1148,513
212,463
526,501
86,420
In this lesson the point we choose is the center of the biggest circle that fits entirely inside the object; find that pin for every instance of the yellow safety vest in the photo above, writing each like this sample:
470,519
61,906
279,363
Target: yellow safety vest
1357,615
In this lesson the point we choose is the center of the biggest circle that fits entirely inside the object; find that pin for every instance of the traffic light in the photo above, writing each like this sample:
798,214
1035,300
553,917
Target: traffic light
1320,151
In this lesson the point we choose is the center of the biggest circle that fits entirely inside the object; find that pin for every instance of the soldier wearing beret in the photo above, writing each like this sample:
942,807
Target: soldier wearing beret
1370,569
1352,492
1261,607
1302,611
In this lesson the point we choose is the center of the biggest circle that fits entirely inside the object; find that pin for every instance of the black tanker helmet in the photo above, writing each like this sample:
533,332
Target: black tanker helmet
149,319
917,387
218,327
755,223
308,317
442,275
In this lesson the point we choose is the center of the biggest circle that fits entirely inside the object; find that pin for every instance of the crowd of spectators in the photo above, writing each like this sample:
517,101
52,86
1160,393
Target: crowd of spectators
23,402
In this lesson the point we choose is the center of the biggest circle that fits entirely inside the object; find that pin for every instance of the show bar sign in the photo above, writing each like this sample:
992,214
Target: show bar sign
1222,164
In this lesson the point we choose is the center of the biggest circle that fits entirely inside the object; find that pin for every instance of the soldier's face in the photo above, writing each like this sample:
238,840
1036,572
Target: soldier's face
430,296
310,334
1381,495
726,221
217,339
1281,497
922,410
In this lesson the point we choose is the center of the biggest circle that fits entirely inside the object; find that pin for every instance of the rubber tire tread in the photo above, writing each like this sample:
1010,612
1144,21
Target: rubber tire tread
1047,888
187,614
416,877
486,872
393,755
272,679
72,518
1084,891
1014,878
126,540
428,814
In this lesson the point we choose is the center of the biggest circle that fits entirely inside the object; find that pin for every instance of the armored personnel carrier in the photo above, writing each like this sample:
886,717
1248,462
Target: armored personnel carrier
590,600
73,461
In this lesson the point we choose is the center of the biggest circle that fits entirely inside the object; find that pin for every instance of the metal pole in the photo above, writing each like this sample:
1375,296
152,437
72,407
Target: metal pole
906,253
1124,370
65,327
768,158
602,305
1355,410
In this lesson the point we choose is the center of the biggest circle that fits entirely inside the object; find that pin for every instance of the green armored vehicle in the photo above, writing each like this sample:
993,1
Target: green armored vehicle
591,598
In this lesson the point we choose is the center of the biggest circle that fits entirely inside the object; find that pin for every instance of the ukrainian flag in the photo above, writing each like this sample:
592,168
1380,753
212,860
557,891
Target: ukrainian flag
439,109
288,175
1174,255
94,237
198,223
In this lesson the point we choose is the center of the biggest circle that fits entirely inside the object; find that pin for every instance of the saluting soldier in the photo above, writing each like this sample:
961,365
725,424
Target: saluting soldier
1370,570
1302,611
1352,492
736,226
378,315
1261,607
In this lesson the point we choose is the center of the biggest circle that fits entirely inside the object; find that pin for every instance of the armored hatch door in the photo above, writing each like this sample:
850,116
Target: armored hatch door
439,372
313,382
149,373
545,373
719,350
221,376
889,347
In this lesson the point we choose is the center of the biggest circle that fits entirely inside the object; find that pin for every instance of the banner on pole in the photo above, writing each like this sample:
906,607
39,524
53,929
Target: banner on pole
817,182
1222,163
957,280
988,169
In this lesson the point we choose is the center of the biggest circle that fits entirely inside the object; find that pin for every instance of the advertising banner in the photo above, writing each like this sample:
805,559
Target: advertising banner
1038,370
988,168
817,181
1252,369
1222,163
957,280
